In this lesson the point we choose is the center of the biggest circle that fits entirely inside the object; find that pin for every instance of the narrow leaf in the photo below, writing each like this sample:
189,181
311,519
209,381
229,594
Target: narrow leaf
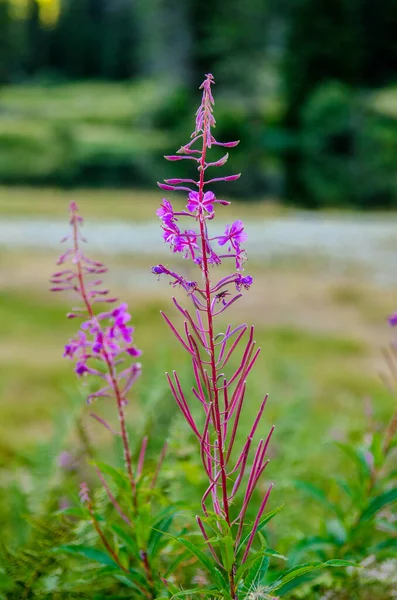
216,575
261,525
378,503
127,539
90,553
256,572
159,529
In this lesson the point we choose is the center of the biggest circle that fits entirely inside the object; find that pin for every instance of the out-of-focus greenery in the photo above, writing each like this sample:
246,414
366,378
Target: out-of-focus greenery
317,379
308,88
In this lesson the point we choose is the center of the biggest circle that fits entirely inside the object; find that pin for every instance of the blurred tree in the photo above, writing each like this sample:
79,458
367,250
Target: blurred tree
378,27
350,41
230,39
5,43
165,32
36,55
322,44
95,39
76,39
119,42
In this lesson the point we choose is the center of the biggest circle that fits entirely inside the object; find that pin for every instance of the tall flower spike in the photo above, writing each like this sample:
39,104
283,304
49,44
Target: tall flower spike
103,347
220,394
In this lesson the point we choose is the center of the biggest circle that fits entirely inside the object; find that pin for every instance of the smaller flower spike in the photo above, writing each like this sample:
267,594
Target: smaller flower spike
103,347
219,390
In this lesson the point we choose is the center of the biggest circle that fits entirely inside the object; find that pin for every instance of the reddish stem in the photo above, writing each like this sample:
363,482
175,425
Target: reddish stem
116,389
216,411
103,537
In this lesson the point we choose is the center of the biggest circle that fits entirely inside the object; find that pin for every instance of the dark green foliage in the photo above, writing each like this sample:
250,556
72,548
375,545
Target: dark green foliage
295,75
28,570
359,517
5,43
350,42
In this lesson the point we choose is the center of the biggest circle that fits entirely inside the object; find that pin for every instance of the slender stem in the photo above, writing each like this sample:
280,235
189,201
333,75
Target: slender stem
216,411
103,537
148,571
389,434
232,574
211,347
123,429
116,389
121,414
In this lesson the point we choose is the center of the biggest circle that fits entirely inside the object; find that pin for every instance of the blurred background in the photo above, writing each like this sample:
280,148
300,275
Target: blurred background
93,93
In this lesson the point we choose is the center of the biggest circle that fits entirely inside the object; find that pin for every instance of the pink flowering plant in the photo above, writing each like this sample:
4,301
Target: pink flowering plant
132,519
237,555
105,358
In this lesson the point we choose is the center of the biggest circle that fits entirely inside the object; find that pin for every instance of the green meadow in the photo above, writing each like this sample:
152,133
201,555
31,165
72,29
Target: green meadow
321,338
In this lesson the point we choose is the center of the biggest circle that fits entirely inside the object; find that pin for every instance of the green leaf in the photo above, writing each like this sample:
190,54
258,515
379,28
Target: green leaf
90,553
115,474
337,562
275,554
130,583
261,525
256,572
377,449
316,493
201,592
336,531
243,569
294,573
159,529
216,575
378,503
357,455
127,539
318,544
300,570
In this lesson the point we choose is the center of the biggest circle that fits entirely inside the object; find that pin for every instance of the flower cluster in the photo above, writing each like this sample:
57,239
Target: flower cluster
221,395
187,241
200,206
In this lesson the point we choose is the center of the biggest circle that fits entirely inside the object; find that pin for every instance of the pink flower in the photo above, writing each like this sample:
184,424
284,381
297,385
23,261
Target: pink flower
165,212
187,244
206,203
234,235
243,282
171,233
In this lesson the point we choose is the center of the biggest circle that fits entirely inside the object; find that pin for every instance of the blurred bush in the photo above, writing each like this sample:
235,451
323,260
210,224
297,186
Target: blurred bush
348,148
115,134
94,92
92,134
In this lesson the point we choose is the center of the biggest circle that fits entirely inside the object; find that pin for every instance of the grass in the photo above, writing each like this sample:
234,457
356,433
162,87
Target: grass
320,336
120,104
132,205
318,332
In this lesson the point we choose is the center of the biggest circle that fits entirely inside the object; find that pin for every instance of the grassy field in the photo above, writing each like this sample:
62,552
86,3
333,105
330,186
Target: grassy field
321,337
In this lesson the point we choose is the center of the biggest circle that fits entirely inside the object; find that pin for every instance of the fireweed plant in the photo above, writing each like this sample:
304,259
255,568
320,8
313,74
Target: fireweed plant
221,396
237,570
105,354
